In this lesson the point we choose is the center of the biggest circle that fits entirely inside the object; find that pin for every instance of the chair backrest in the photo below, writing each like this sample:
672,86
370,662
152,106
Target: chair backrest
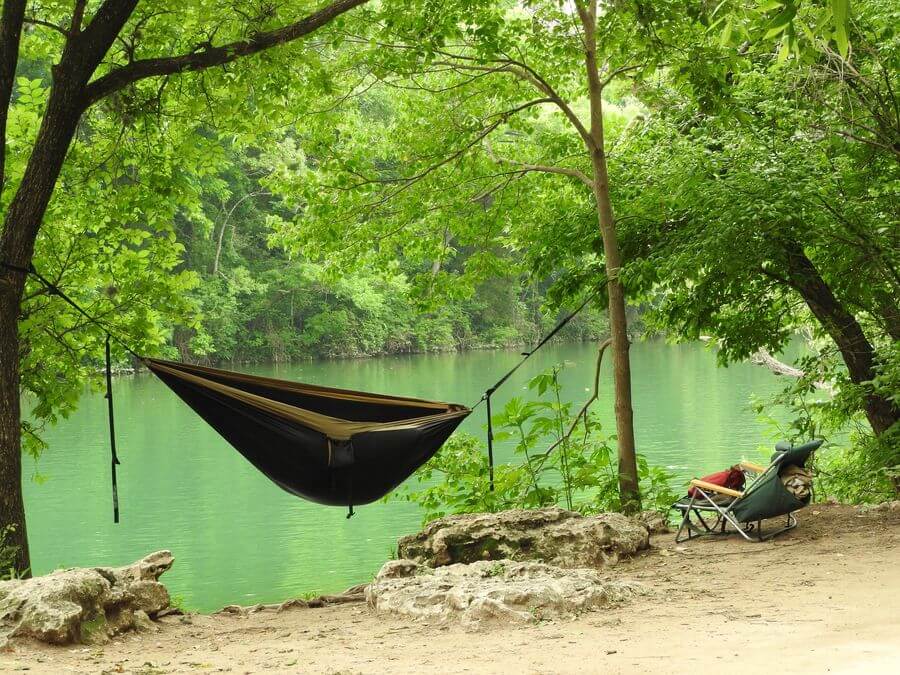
786,454
767,497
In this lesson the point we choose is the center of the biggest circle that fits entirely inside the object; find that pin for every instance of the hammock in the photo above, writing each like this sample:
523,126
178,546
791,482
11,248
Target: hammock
331,446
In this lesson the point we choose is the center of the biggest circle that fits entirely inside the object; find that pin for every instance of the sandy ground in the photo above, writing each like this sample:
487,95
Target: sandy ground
823,598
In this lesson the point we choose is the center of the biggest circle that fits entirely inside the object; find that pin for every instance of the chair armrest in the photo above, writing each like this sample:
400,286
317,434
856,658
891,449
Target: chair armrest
703,485
750,466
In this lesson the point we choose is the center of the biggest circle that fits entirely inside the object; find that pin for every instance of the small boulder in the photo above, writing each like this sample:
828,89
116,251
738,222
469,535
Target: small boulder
148,568
654,521
149,596
482,591
552,535
84,605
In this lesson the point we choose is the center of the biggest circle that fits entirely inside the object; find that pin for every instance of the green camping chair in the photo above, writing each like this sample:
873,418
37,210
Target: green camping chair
766,497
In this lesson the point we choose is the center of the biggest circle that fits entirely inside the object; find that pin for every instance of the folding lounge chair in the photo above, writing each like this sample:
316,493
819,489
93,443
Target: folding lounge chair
766,497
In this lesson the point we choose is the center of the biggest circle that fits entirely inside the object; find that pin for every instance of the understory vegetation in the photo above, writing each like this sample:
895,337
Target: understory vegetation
8,554
562,457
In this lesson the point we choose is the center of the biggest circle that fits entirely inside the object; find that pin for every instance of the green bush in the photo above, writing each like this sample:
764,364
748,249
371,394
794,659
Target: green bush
562,460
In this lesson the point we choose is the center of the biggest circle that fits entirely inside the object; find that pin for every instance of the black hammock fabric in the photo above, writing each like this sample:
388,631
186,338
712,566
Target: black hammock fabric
331,446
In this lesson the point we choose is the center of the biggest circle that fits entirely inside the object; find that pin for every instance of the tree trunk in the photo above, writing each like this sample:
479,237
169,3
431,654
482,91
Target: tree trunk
12,14
20,229
629,485
12,507
856,350
629,490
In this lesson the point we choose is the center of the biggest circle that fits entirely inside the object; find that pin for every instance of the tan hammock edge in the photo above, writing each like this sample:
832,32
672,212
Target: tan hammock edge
332,427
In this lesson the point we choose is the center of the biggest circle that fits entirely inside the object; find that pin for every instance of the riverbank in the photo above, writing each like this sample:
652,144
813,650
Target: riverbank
823,597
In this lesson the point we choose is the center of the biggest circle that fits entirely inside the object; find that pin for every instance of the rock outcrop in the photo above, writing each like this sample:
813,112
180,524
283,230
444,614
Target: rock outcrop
654,521
553,536
85,604
884,507
491,590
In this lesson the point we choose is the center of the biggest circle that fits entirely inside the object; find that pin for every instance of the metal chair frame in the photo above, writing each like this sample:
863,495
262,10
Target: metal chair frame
723,514
724,518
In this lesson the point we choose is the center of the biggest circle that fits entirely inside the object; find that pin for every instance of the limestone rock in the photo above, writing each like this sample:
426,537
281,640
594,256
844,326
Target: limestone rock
492,590
398,568
654,521
149,596
143,623
554,536
884,507
54,608
84,605
148,568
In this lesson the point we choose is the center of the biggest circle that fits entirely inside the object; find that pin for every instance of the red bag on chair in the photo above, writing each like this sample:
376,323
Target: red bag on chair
731,478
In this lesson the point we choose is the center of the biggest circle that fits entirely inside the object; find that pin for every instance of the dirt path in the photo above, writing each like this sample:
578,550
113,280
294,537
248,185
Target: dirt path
823,598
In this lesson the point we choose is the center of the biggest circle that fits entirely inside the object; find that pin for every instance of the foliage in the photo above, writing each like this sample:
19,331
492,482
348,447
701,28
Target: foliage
8,554
578,470
855,466
771,212
260,306
110,245
160,228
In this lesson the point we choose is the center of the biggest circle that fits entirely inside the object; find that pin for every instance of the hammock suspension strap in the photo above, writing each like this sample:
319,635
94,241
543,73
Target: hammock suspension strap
486,397
53,289
114,459
490,440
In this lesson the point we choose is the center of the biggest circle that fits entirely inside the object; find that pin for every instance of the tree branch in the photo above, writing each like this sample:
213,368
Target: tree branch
214,56
407,181
527,74
762,357
46,24
562,170
77,17
582,414
10,33
618,71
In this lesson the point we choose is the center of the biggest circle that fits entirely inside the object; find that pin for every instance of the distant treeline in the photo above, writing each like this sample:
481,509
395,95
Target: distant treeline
257,305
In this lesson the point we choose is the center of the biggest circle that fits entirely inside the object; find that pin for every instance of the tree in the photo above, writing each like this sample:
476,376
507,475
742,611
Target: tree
773,209
488,68
106,52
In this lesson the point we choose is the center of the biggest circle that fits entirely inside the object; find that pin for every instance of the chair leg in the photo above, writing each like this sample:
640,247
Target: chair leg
690,527
791,524
684,525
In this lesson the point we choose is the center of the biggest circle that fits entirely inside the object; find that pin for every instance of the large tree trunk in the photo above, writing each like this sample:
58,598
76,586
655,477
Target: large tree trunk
12,507
629,488
856,350
12,510
20,229
16,249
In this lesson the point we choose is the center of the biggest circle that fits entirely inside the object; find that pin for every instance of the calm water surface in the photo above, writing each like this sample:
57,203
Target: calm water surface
237,538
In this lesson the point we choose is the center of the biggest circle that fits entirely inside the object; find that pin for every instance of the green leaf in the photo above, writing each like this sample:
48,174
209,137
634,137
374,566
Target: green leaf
725,38
840,10
780,23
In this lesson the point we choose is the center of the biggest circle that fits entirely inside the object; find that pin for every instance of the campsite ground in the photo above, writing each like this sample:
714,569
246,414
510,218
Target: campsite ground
823,598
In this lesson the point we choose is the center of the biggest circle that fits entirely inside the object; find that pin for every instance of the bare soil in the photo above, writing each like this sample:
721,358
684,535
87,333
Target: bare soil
822,598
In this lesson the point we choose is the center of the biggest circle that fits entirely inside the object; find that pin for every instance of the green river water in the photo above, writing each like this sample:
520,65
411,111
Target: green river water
237,538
